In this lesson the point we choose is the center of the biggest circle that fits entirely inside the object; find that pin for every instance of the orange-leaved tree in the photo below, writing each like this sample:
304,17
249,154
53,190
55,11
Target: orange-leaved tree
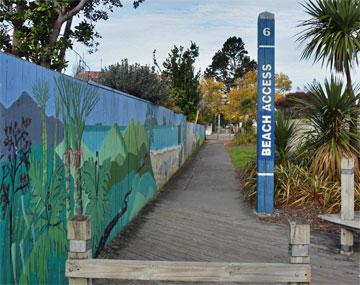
283,84
243,97
212,92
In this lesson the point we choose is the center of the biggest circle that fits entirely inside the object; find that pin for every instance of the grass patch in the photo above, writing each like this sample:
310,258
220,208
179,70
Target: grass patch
241,155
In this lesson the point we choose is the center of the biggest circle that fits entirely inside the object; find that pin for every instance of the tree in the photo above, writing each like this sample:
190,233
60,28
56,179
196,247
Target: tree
41,30
231,62
242,99
212,92
243,96
332,36
138,80
283,84
183,80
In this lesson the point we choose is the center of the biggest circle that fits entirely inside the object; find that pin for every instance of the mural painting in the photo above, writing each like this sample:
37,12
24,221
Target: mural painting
69,147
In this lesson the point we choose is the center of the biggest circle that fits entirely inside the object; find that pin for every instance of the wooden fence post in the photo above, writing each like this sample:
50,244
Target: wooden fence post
347,203
79,236
299,242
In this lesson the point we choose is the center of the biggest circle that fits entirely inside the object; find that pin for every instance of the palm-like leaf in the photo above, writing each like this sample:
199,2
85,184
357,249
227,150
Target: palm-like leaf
330,114
77,102
285,132
41,92
332,34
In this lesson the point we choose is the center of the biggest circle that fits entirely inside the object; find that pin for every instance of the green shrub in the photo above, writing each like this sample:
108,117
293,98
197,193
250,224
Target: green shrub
242,138
248,126
285,134
296,186
316,176
329,115
138,80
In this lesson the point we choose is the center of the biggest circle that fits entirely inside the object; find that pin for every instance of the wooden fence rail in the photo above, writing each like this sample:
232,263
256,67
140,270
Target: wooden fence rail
81,269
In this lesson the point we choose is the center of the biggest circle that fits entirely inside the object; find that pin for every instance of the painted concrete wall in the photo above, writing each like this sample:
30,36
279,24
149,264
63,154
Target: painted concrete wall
67,147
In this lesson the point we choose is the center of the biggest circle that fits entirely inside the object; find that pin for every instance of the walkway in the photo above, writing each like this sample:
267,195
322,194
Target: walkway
202,217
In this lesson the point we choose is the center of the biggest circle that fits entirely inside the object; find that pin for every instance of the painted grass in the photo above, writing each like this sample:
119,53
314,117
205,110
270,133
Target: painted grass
240,155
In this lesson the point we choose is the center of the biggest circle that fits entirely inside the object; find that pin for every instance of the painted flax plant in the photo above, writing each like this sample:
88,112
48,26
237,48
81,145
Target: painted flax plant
41,92
56,129
77,100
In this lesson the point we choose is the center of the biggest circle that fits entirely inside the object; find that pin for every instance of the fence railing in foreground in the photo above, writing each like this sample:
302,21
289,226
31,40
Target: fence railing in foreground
81,268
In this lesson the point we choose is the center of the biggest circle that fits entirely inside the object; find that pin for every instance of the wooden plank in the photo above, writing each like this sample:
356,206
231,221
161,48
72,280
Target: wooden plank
79,236
299,241
299,232
347,188
79,281
80,255
336,219
346,242
79,228
188,271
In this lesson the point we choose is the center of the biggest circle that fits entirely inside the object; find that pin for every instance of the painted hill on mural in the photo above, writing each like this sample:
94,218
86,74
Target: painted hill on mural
26,107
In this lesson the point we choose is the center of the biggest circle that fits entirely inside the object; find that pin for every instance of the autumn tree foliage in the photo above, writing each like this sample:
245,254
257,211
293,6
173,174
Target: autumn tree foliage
242,98
212,93
283,85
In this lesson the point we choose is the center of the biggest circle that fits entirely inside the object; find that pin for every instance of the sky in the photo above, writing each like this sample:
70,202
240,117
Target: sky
161,24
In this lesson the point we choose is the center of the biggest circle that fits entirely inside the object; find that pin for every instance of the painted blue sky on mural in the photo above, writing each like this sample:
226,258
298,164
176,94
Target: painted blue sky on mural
120,110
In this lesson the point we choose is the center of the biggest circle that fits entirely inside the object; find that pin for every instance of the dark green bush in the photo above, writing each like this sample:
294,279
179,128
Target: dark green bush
138,80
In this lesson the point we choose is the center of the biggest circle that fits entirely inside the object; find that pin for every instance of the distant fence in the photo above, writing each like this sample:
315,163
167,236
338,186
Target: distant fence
69,147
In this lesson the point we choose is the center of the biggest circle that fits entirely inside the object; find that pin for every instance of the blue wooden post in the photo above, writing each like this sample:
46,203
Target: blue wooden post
265,121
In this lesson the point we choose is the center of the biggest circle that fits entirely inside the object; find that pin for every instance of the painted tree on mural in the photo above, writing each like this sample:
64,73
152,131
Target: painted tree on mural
77,102
47,225
15,179
56,130
34,214
96,186
41,92
62,152
150,123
